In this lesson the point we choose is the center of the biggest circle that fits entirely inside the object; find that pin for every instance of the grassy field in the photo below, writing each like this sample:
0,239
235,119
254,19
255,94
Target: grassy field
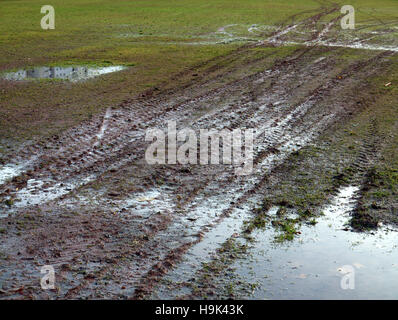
119,31
159,39
327,108
155,38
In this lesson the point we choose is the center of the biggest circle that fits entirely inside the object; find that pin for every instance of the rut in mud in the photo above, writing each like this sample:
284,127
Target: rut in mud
88,204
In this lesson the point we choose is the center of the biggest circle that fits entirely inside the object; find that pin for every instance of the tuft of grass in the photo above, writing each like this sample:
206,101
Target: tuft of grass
288,231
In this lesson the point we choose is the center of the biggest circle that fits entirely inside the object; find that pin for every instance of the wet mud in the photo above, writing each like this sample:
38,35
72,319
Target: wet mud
113,226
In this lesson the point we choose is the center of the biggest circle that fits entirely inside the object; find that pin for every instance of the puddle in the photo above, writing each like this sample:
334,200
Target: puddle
318,264
282,32
153,201
35,194
324,262
66,73
359,46
10,171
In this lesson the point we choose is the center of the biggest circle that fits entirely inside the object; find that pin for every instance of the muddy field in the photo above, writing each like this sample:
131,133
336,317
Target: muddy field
322,194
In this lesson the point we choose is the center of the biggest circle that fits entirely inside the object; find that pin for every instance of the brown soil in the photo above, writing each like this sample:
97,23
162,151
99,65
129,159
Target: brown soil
102,247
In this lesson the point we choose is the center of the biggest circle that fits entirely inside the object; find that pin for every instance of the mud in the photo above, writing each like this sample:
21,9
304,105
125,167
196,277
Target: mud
113,226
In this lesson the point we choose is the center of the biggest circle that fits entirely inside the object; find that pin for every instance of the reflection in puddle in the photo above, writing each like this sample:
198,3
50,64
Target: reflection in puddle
66,73
314,265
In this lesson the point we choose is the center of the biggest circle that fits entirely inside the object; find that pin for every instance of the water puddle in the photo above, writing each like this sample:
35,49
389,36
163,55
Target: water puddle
153,201
66,73
10,171
359,45
35,193
325,261
282,32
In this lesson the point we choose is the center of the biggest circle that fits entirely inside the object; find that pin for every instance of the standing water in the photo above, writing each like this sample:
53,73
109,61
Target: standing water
325,261
66,73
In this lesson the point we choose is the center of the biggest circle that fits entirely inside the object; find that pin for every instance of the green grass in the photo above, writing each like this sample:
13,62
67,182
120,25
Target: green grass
149,36
96,28
153,37
134,32
288,231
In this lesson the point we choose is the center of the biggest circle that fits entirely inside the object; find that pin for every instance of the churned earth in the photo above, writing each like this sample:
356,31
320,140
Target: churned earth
321,198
